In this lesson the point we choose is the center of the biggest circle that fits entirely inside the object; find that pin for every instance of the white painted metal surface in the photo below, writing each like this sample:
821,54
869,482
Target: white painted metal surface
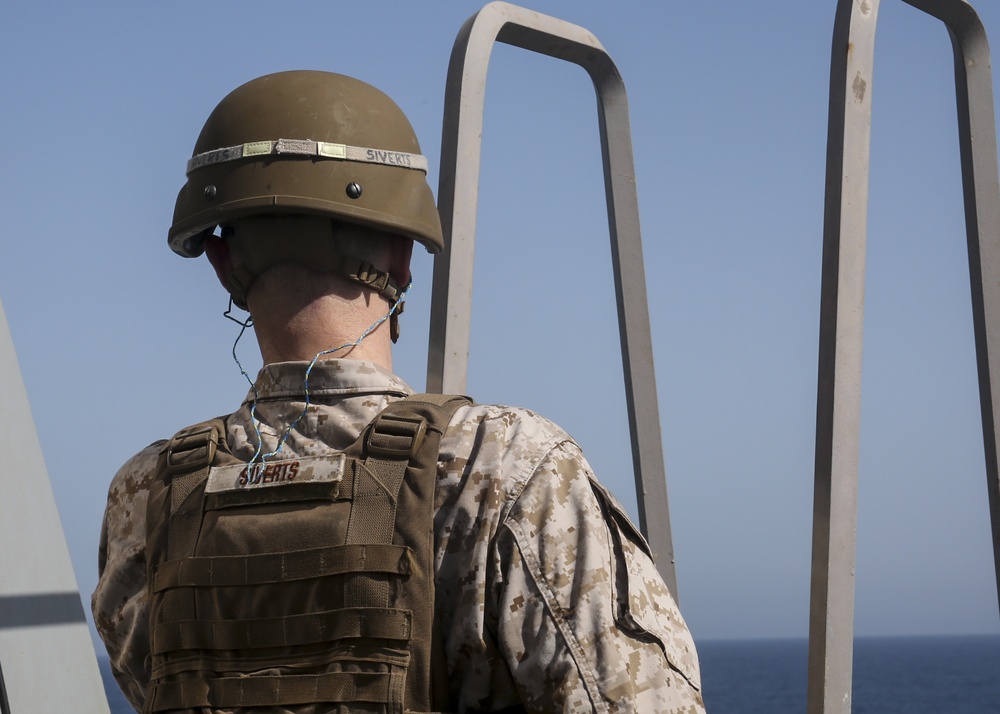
46,655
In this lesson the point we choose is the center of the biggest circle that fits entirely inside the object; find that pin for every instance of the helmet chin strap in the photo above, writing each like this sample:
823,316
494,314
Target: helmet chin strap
394,316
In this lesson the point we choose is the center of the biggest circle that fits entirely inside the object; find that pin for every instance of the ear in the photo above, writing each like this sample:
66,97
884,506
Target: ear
399,268
217,250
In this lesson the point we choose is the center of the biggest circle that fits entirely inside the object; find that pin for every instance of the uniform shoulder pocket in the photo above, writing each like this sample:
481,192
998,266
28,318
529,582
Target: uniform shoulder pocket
644,606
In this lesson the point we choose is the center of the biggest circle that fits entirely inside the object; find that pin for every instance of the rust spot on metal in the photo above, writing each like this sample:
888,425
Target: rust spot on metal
859,86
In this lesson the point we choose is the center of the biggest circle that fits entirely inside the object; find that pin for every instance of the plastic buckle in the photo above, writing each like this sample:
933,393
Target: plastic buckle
396,436
192,450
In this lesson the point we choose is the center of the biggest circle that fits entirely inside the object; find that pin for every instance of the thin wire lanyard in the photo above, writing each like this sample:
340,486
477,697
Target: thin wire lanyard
256,395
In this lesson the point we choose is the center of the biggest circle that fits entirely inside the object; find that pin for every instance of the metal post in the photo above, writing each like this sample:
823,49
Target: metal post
457,198
978,146
838,403
831,624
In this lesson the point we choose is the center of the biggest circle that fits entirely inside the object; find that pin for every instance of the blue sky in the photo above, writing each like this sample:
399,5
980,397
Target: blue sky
121,342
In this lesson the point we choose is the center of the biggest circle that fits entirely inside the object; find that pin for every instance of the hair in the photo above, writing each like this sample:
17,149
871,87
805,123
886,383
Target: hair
297,279
368,244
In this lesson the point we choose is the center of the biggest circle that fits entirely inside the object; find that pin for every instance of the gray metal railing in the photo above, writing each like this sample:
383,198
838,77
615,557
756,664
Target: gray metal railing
831,625
838,407
457,199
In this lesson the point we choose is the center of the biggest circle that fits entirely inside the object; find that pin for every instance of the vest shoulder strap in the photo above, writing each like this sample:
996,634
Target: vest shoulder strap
190,453
398,432
406,437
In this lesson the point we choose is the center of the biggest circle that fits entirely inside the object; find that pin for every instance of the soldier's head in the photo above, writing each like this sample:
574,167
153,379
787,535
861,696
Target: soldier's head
312,169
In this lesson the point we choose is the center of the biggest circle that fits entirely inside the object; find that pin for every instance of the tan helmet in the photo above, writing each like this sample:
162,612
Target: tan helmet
312,143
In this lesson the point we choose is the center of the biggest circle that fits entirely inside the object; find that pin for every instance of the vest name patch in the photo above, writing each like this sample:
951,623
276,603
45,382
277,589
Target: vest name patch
239,477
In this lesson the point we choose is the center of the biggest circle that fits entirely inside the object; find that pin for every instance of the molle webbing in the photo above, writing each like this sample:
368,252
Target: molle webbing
230,571
287,690
326,586
290,630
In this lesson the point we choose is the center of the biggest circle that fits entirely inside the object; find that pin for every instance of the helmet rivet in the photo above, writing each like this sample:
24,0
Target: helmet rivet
354,190
210,191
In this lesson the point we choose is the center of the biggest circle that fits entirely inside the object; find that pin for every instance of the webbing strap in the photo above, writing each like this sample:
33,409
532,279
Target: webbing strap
194,447
367,274
288,631
232,570
187,454
391,441
270,691
188,458
373,520
442,400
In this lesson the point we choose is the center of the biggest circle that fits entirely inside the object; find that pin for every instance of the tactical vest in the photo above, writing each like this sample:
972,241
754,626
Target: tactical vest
298,583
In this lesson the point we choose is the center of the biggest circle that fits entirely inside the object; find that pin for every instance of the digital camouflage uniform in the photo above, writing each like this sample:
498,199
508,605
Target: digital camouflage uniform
544,592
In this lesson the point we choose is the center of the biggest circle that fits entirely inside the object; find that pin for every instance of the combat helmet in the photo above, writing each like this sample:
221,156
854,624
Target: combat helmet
306,143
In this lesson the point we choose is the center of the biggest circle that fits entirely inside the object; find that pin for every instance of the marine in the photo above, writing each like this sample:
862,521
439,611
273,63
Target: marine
431,554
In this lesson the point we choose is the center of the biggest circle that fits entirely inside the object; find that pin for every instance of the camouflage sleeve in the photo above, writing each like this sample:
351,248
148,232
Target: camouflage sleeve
119,603
585,622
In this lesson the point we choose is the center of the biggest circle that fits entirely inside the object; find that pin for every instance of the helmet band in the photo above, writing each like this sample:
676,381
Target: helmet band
312,149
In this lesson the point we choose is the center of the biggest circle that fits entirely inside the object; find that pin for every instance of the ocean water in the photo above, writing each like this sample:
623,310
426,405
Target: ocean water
911,675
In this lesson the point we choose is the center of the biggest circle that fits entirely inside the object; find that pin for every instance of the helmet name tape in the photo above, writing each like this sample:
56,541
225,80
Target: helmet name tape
308,147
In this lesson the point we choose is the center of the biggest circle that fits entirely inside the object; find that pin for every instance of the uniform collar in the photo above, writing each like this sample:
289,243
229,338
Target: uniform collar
332,377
